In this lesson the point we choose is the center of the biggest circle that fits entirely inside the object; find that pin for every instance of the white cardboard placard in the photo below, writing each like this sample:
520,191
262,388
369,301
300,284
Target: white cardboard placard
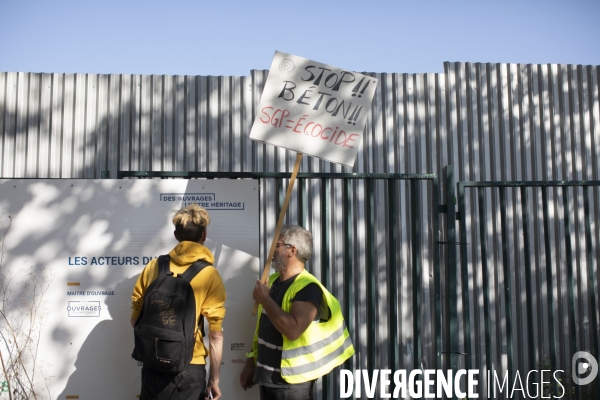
314,108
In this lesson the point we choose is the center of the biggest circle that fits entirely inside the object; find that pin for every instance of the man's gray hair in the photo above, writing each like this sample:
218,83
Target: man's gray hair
300,238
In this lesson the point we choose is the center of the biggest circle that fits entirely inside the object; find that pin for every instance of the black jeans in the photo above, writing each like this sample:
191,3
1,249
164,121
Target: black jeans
287,392
189,384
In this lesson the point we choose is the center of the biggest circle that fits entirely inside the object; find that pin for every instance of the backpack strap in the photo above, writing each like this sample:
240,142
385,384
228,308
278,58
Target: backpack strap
164,265
188,275
194,270
164,268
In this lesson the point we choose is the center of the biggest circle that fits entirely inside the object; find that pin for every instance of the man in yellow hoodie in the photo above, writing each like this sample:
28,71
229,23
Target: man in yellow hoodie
190,230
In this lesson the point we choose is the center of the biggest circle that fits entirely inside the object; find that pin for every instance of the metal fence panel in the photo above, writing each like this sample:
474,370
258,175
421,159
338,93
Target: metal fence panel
545,305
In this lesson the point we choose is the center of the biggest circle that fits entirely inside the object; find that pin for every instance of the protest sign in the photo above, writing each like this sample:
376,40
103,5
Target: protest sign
314,108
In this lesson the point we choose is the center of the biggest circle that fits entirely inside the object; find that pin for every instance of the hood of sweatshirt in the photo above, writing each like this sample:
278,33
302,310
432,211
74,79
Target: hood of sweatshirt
186,253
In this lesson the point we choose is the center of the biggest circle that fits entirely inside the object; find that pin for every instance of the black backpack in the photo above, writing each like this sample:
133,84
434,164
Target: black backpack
165,330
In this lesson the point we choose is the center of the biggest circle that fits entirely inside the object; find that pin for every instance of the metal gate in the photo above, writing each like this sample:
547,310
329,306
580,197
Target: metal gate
527,301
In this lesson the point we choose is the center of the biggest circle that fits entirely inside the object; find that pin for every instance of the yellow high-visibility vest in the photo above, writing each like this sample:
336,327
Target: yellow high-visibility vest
323,346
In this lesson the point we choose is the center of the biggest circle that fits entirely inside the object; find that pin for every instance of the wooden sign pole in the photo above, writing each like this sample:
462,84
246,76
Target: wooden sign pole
288,195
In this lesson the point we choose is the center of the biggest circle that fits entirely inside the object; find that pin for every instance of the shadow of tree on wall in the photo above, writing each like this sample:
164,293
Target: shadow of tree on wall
106,352
54,244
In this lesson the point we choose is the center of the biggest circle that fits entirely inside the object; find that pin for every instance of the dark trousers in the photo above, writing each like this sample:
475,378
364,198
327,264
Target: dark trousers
288,392
189,384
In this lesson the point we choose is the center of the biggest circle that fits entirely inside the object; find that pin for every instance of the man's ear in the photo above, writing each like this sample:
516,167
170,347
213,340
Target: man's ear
203,236
294,252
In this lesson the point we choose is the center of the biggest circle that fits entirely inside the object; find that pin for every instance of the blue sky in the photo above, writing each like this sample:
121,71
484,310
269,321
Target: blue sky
232,37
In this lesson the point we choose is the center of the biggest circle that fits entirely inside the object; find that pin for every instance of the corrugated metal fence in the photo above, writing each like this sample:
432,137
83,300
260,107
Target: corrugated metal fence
492,122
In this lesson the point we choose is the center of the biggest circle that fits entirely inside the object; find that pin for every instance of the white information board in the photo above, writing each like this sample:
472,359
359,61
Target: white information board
93,238
314,108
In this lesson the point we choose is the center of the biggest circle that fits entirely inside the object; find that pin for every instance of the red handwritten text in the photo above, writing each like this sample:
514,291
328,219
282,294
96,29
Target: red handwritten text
303,126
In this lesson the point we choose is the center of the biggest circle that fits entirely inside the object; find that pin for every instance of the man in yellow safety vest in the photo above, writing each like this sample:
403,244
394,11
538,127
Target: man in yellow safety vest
300,332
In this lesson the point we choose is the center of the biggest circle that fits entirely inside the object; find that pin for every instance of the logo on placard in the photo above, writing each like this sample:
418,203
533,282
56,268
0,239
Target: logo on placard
84,308
237,361
237,346
287,66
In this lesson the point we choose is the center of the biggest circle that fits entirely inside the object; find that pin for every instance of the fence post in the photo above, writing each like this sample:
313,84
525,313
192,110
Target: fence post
450,289
416,272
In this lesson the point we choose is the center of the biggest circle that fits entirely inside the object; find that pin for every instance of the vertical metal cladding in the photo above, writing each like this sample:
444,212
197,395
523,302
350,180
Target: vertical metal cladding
492,122
532,274
517,123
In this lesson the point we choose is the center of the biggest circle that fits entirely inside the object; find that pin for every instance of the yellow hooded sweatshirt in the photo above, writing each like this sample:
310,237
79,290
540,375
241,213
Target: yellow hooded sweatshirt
208,289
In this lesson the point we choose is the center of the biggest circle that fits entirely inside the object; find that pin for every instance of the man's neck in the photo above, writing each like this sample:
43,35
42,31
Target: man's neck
291,270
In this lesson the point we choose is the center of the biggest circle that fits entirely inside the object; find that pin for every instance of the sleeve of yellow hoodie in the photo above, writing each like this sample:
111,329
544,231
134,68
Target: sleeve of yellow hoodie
212,294
210,302
149,274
